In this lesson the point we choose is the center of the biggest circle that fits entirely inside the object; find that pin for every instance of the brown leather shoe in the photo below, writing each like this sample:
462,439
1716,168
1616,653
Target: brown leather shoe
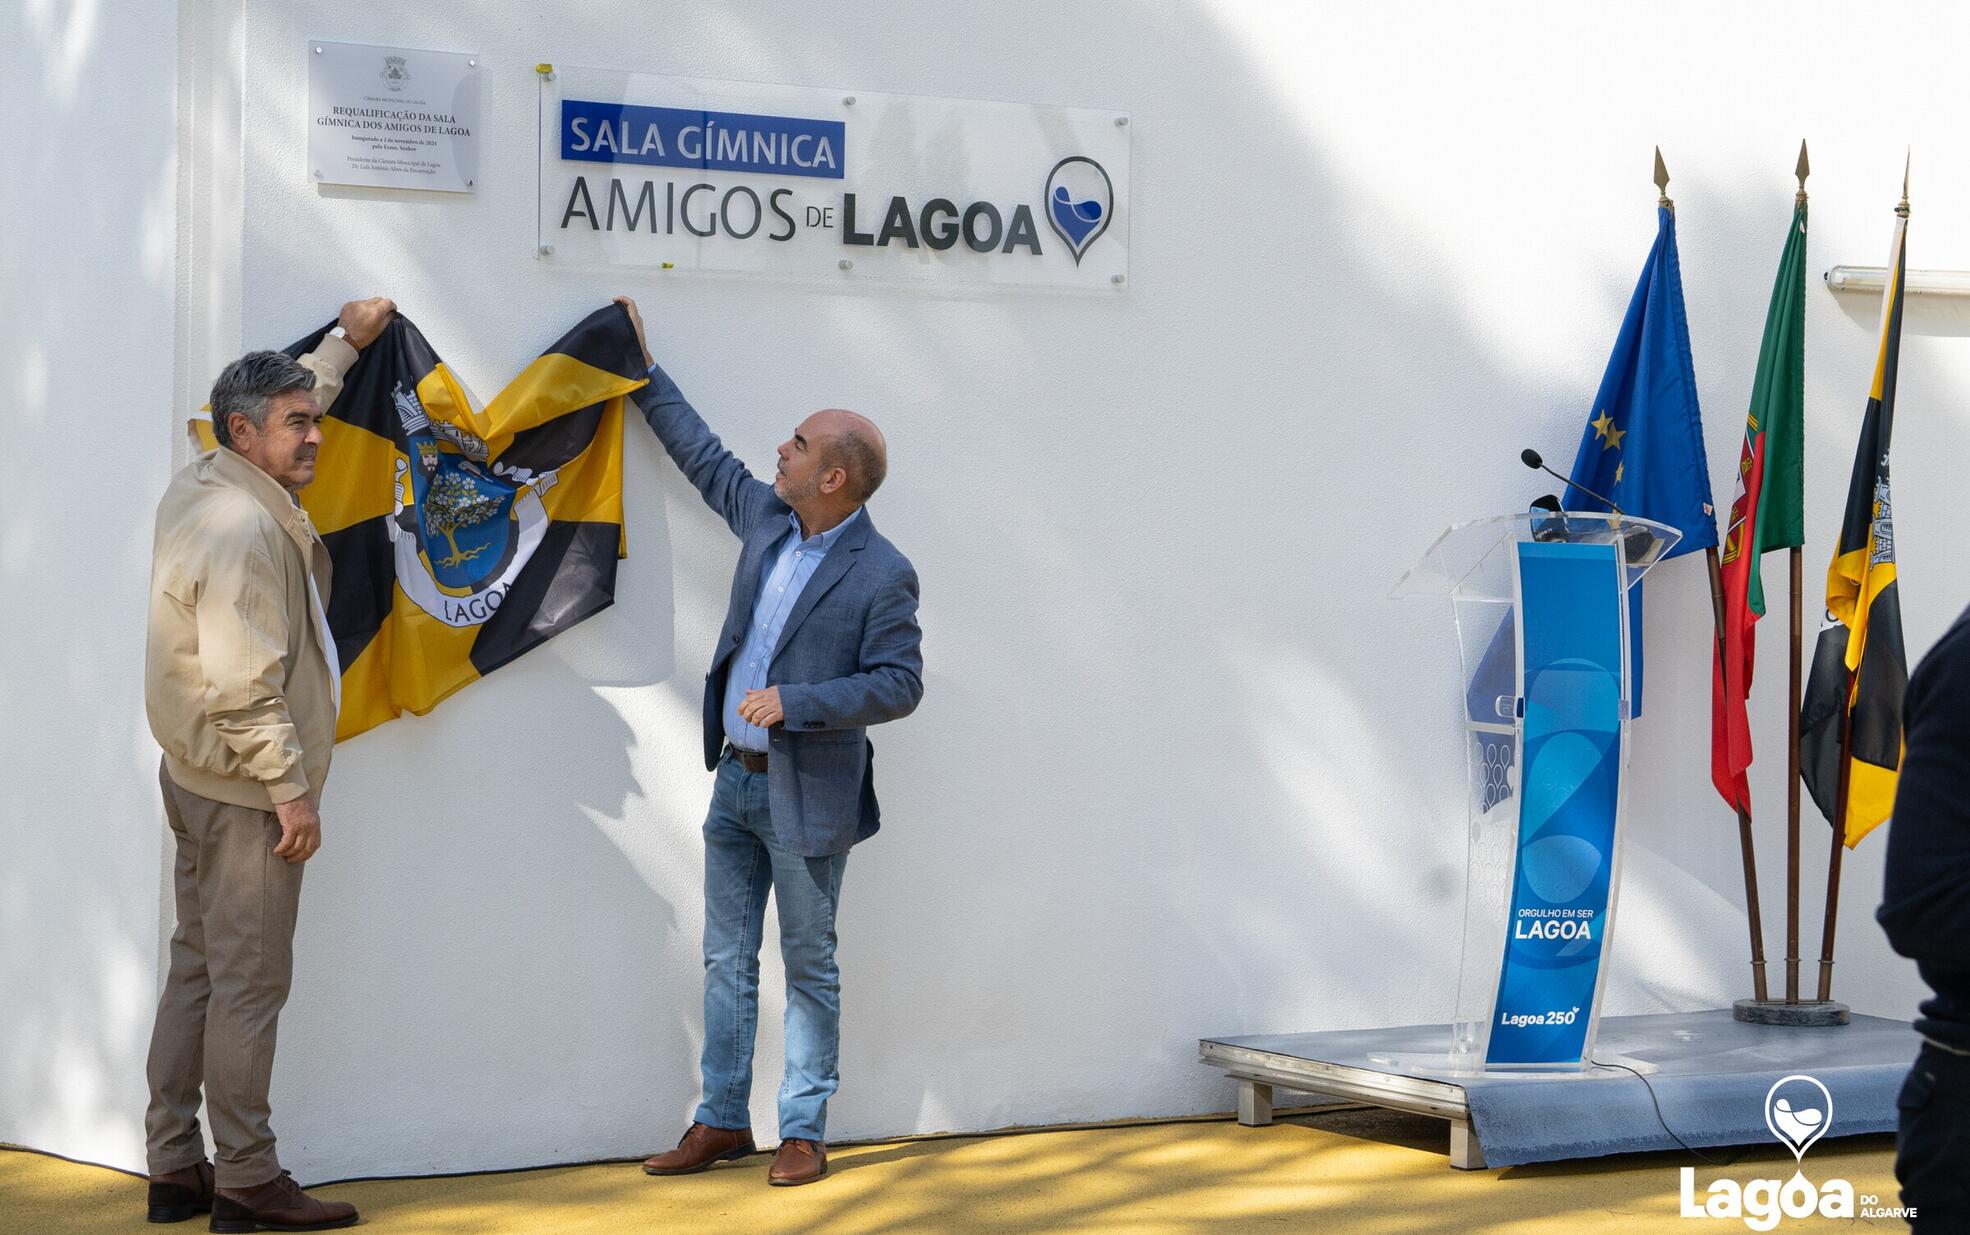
702,1145
277,1205
180,1194
798,1162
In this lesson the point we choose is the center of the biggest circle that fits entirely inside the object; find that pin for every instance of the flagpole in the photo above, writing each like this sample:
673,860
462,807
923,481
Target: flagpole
1752,914
1833,861
1794,692
1792,782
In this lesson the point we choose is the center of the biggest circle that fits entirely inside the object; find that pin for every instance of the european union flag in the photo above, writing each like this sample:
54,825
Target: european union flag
1643,446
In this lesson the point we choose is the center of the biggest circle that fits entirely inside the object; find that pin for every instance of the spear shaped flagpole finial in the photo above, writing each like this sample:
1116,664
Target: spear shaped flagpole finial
1902,209
1803,170
1662,181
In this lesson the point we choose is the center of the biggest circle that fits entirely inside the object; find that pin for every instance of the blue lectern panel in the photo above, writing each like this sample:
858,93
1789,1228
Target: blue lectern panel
1570,597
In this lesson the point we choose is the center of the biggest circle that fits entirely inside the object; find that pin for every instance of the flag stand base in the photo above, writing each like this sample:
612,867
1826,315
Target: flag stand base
1812,1015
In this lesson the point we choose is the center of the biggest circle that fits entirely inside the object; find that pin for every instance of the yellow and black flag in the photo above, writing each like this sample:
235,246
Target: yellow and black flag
1850,721
462,537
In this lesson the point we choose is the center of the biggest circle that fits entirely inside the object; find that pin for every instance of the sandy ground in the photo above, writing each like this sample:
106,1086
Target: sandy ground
1379,1173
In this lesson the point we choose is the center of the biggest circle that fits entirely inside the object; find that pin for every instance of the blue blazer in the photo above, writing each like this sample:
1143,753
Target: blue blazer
849,657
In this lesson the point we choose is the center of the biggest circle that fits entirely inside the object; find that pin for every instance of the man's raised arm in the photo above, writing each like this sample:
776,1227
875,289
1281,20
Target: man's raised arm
357,327
727,486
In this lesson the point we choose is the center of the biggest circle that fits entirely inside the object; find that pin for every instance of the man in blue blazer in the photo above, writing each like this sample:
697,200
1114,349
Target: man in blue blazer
820,642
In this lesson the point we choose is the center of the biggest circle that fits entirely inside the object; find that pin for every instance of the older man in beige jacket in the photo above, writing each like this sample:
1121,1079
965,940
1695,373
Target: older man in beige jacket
242,686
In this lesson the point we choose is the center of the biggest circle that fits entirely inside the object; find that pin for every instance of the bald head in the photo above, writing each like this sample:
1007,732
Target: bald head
851,442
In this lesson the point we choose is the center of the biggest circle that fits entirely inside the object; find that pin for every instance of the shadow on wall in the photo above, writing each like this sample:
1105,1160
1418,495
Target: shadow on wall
1188,662
496,914
447,989
1199,664
1161,786
88,273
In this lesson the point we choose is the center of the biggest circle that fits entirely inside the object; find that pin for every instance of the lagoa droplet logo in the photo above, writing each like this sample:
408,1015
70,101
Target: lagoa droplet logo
1080,202
1798,1112
1799,1116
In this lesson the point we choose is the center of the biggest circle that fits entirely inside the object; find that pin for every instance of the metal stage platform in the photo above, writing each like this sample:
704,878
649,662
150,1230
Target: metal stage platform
1709,1073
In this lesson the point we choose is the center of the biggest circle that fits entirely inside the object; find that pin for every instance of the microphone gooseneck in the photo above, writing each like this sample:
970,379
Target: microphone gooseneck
1531,459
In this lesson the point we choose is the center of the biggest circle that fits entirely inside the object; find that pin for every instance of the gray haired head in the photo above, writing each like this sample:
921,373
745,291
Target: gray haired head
250,384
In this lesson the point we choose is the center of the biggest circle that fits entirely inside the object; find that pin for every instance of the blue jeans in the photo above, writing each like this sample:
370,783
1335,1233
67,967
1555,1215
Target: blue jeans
743,859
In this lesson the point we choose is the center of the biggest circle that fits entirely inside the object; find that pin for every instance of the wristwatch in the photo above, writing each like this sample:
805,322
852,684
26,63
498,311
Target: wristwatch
337,332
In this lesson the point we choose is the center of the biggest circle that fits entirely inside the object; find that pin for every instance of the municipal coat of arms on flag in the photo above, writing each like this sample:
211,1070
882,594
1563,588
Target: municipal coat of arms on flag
463,536
1850,720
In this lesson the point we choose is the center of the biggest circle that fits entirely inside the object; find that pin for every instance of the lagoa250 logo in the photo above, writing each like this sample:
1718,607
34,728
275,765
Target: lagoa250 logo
1798,1112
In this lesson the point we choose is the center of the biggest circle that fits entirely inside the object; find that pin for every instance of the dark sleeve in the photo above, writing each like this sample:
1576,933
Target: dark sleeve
889,683
1926,899
717,474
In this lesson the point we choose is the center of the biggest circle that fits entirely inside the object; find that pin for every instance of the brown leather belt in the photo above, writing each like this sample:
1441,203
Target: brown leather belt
750,760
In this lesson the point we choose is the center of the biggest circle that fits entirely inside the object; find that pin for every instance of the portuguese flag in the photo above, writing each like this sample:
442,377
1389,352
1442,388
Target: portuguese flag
1766,511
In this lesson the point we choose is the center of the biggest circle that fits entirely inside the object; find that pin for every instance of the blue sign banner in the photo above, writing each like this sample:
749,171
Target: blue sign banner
1570,611
597,132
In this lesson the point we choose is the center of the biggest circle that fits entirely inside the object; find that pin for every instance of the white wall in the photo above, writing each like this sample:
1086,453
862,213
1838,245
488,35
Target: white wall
1182,769
88,200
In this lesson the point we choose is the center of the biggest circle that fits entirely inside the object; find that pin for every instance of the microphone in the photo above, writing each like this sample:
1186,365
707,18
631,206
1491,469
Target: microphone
1531,459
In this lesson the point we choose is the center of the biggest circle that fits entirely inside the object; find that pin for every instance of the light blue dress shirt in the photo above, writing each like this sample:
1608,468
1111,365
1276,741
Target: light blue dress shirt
785,573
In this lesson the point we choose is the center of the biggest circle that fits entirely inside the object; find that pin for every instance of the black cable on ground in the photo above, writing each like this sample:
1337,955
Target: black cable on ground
1700,1155
28,1149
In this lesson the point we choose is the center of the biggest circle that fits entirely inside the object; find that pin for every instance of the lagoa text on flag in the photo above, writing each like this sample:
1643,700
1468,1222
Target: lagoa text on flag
462,537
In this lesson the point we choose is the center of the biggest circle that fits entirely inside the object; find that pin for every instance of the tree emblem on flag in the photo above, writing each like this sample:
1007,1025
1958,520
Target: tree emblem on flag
455,503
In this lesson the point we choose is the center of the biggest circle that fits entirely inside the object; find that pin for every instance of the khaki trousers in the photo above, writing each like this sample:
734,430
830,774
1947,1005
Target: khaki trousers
232,958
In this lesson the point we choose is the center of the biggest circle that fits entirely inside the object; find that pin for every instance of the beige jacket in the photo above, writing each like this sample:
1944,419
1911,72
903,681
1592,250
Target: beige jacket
237,683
